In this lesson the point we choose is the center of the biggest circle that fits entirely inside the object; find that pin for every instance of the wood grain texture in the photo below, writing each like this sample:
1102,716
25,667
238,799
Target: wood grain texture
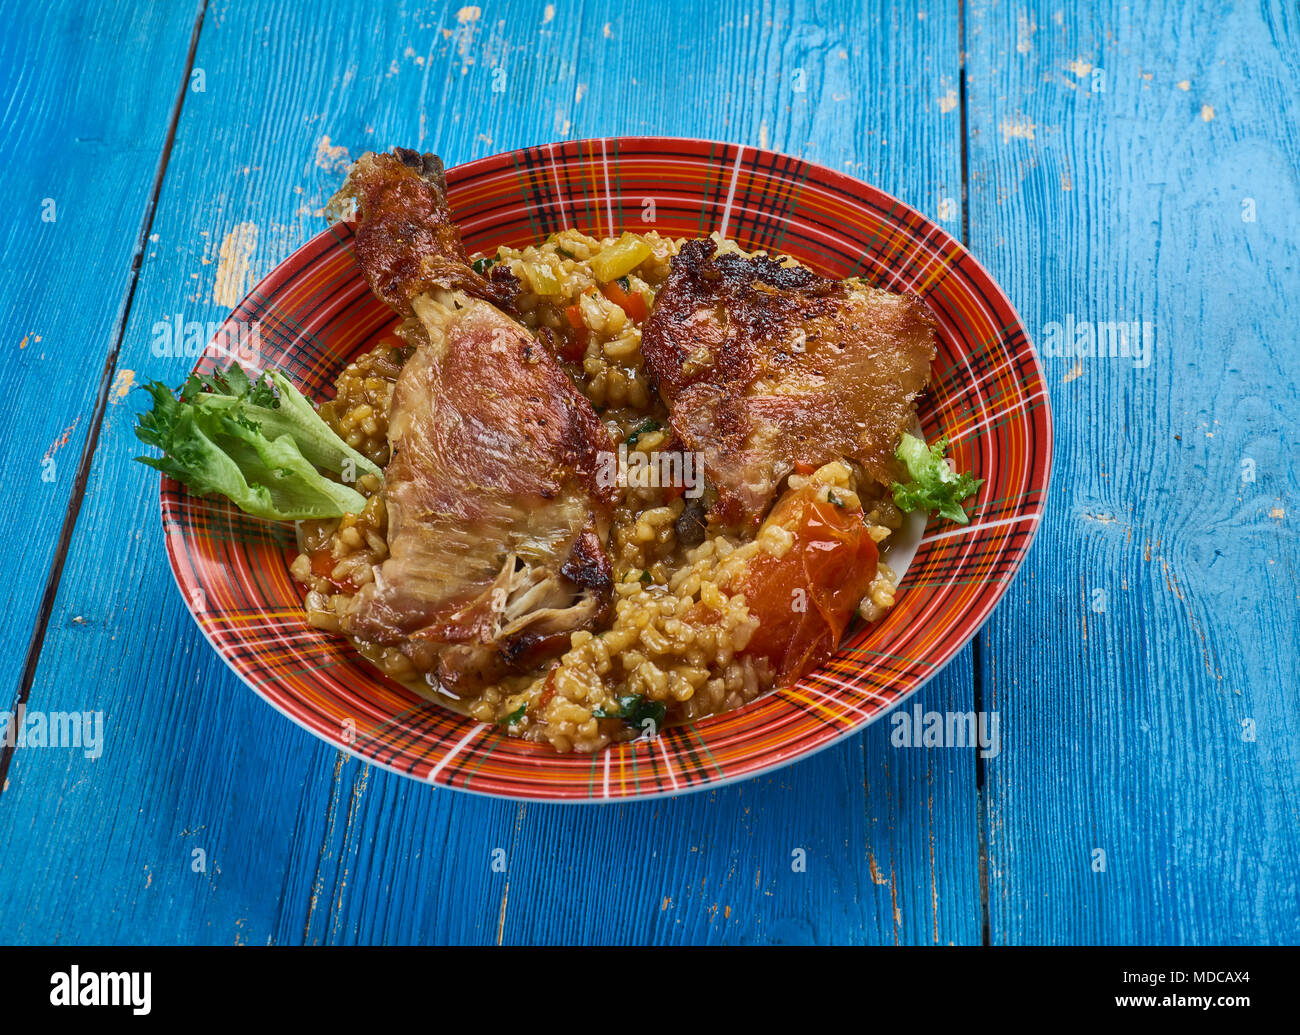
1157,723
304,845
81,140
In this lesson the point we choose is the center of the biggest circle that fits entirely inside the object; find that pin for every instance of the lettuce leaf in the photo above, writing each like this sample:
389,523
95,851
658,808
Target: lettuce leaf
279,408
934,485
257,442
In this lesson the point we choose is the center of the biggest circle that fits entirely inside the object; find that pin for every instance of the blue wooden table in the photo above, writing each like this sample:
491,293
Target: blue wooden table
1134,163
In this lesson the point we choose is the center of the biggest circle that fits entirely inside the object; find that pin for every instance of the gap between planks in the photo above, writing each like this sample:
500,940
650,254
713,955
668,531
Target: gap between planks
977,644
53,578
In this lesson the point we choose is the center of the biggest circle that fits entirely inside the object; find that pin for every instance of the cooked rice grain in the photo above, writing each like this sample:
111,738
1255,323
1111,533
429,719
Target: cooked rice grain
675,644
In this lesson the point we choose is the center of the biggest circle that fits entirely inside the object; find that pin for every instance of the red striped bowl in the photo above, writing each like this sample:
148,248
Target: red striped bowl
987,393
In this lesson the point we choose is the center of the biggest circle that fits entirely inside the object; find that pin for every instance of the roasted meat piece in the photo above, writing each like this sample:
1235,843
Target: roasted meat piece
496,520
765,366
406,243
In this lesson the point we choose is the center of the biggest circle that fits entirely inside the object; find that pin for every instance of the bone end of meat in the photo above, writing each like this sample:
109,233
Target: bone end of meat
406,241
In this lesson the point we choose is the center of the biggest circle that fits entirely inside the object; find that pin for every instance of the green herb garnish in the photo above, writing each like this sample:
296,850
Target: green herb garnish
258,442
634,710
935,486
514,716
481,266
644,428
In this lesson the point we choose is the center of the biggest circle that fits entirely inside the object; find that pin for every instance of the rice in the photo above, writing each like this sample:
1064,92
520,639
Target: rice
673,648
673,645
358,412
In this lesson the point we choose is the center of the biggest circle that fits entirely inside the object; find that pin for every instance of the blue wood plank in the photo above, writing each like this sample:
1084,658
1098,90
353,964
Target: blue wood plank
192,760
304,845
856,845
887,862
80,143
1132,164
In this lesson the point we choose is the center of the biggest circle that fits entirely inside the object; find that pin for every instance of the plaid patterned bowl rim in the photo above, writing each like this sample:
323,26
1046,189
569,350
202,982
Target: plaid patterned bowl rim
988,393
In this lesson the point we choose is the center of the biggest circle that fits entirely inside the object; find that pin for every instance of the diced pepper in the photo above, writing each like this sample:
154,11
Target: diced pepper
574,338
631,302
544,280
548,691
620,258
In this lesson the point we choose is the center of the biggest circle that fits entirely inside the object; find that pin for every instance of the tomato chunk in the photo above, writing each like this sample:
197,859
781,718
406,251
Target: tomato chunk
806,598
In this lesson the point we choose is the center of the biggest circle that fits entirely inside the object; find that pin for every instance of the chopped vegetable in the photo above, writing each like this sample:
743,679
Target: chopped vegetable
805,598
322,563
634,710
631,302
644,428
646,578
620,258
257,442
544,280
481,266
935,486
514,717
575,337
322,566
559,246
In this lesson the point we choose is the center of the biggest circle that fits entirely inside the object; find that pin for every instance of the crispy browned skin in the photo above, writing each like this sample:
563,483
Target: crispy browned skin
496,520
406,243
765,366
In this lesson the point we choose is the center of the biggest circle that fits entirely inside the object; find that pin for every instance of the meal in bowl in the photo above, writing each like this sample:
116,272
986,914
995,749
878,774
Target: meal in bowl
591,486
